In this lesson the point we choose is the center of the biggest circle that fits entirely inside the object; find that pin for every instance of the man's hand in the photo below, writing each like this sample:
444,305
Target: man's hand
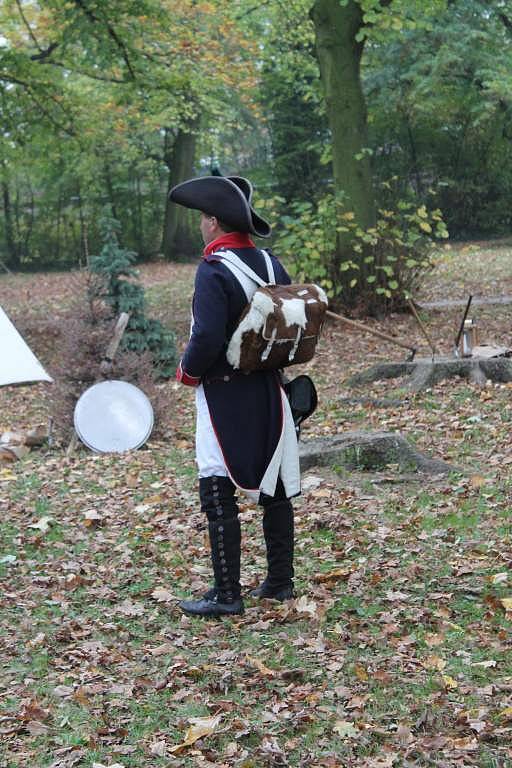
184,378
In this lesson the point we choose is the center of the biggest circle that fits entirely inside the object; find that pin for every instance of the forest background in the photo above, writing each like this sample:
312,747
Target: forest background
369,129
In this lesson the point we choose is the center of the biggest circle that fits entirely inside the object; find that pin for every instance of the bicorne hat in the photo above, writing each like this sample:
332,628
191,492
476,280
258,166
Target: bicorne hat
228,198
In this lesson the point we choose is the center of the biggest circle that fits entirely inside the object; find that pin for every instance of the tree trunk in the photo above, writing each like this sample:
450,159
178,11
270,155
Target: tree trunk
179,236
110,190
13,255
339,55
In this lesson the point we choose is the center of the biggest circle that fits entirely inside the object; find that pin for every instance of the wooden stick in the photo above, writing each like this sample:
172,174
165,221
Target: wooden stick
106,365
108,358
422,326
365,329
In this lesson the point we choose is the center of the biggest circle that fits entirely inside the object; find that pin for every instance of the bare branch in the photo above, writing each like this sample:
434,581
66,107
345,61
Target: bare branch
27,25
43,54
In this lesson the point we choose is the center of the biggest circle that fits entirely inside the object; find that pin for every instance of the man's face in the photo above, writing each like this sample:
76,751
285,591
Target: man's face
208,227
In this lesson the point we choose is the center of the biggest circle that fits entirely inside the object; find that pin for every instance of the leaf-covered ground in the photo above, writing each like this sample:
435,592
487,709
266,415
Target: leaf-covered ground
397,649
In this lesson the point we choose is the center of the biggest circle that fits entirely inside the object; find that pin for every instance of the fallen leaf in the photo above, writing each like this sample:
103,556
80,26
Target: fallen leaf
506,603
334,575
360,672
396,596
499,578
468,744
35,728
130,609
434,662
162,595
200,727
345,729
260,666
63,690
404,734
112,765
449,683
162,650
43,524
158,748
303,606
71,758
92,517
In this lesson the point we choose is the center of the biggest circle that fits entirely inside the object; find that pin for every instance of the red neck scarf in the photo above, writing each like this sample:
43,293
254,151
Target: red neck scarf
229,240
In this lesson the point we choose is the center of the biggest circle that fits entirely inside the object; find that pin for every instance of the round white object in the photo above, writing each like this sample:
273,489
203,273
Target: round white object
113,416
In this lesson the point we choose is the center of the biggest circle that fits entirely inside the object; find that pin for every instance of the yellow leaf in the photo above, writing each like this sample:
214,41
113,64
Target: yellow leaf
425,226
200,727
449,683
506,603
434,662
506,713
348,216
476,481
260,666
334,575
361,672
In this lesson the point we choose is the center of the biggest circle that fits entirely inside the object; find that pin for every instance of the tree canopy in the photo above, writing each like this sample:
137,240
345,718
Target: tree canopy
372,103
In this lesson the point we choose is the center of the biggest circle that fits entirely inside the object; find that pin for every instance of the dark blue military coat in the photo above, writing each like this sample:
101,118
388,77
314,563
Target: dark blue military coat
245,409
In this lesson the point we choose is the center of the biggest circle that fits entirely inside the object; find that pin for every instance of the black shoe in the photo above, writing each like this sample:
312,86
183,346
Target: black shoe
267,592
211,608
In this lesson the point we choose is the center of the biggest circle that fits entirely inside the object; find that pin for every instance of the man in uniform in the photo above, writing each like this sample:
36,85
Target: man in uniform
245,437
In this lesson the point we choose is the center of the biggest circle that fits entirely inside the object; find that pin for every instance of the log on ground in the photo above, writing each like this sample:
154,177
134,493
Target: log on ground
368,451
425,372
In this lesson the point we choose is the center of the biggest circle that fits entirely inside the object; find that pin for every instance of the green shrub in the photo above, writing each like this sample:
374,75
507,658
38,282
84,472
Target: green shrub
389,260
114,265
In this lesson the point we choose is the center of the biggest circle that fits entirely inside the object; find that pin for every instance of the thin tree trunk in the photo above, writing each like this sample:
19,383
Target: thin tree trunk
139,225
339,55
13,256
414,157
81,245
179,239
110,190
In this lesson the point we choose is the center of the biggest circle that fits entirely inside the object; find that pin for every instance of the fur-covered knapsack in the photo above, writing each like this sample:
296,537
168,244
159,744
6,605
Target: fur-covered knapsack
280,325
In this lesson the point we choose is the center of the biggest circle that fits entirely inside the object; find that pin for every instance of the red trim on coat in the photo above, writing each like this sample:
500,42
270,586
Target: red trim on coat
185,378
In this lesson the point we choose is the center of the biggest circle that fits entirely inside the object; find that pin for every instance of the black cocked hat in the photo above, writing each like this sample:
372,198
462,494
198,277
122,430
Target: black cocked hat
228,198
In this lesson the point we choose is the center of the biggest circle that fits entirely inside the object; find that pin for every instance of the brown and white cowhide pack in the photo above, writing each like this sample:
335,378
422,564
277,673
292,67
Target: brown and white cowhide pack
280,325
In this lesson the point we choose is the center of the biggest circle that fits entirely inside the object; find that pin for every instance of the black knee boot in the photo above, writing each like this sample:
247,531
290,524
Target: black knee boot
219,505
278,532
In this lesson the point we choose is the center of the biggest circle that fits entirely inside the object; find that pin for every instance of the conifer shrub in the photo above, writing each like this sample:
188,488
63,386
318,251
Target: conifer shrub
116,285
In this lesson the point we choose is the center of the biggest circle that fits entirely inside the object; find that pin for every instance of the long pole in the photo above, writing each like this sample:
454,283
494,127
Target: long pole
422,327
457,340
365,329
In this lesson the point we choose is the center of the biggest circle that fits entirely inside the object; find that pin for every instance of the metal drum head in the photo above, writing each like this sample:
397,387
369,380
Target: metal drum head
113,416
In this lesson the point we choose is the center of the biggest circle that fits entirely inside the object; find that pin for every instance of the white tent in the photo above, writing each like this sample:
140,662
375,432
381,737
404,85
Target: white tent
18,363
